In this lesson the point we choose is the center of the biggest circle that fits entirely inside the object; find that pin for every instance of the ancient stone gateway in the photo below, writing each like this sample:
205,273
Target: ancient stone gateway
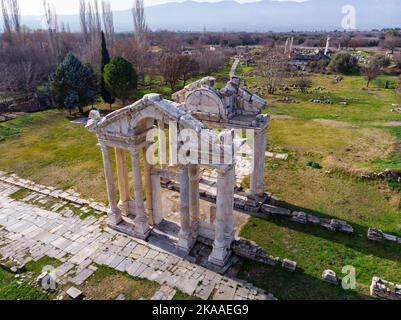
198,106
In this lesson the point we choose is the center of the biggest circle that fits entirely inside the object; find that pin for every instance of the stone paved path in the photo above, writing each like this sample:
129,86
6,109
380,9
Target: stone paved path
28,232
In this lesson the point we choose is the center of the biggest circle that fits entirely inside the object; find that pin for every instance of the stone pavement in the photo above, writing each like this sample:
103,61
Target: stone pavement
28,233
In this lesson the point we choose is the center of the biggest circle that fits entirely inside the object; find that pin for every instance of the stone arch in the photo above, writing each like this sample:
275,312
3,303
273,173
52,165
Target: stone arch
204,100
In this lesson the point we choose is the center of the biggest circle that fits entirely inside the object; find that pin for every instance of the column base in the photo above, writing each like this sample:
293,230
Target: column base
114,218
123,227
220,256
185,244
142,230
258,197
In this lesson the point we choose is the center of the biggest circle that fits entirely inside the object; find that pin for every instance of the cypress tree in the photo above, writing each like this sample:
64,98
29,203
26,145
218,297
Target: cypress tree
106,95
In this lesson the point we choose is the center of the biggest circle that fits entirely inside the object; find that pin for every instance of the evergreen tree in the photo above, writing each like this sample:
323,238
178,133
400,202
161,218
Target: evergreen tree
106,95
121,79
74,85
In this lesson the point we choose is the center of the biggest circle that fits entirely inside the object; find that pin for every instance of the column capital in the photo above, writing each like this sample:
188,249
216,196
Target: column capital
102,146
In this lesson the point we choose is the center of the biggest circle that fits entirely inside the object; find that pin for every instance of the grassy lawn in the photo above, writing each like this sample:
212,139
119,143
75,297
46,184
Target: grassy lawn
25,287
345,141
108,284
45,147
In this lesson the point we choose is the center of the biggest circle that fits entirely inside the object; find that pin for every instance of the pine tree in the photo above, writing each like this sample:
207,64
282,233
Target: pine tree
106,95
73,85
121,79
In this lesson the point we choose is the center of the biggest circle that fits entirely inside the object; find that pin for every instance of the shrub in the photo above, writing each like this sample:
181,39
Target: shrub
343,62
303,83
314,164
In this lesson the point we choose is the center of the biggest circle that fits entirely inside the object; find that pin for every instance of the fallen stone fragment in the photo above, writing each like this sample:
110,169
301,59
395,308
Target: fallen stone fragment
289,265
268,209
74,293
385,289
300,217
342,226
375,234
330,276
46,281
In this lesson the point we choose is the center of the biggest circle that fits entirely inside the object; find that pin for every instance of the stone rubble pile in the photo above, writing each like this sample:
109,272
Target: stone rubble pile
249,249
304,218
384,289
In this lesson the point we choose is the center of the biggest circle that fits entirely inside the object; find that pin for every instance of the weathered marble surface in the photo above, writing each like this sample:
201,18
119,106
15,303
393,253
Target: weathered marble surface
28,233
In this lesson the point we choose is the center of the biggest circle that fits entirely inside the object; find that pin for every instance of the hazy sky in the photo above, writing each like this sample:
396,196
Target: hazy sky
35,7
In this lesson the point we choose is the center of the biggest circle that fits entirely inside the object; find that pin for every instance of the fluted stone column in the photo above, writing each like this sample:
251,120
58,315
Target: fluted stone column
194,199
221,252
148,188
162,145
114,214
229,233
257,186
123,182
142,229
157,200
185,241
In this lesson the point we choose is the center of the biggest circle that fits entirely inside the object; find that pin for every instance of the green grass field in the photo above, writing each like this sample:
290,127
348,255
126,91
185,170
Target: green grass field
345,141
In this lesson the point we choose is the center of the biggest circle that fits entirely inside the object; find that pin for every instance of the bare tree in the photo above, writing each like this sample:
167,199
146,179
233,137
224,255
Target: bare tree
97,22
52,28
273,66
15,16
108,21
140,25
371,72
83,19
170,68
6,20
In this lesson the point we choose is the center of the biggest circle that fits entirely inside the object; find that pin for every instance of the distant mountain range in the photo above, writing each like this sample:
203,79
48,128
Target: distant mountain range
265,15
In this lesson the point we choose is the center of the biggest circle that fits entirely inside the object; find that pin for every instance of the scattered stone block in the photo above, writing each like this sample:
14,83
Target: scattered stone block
268,209
300,217
313,219
342,226
375,235
74,293
330,276
289,265
384,289
46,281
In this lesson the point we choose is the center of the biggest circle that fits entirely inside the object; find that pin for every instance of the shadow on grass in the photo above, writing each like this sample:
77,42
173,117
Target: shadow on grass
297,285
357,241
